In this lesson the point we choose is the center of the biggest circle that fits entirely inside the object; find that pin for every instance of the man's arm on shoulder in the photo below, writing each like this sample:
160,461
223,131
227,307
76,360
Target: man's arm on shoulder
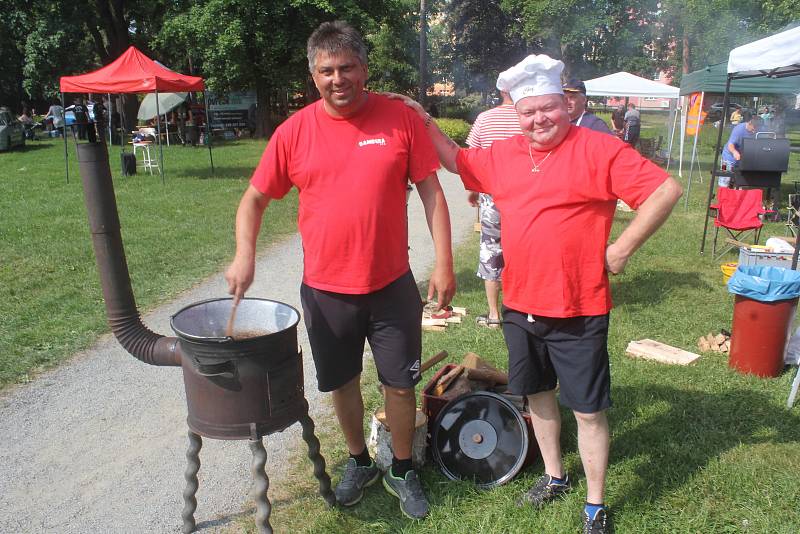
446,148
442,281
248,223
649,217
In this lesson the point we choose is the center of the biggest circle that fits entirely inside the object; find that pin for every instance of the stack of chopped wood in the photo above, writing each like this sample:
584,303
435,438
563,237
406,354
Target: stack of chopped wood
435,320
472,374
717,343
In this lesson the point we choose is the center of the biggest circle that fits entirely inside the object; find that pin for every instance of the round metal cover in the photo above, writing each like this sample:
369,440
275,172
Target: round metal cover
482,437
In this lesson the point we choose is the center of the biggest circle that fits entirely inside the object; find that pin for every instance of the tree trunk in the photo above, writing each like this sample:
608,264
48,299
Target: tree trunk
283,101
685,53
129,109
312,95
423,52
264,126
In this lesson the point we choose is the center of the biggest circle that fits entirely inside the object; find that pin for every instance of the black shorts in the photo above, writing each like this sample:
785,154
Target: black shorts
572,352
338,324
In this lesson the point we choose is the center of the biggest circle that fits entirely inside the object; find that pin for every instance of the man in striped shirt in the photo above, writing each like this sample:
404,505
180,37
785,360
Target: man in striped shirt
492,125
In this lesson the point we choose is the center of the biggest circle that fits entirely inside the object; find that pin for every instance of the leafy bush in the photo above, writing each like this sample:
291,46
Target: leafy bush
456,129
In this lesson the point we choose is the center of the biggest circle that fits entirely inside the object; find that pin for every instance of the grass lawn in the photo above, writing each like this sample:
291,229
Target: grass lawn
699,449
175,235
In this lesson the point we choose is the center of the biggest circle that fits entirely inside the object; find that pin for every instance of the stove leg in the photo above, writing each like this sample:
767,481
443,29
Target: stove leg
261,485
192,467
316,458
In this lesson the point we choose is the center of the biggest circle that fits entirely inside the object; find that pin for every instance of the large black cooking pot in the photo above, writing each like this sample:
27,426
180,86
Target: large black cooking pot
248,385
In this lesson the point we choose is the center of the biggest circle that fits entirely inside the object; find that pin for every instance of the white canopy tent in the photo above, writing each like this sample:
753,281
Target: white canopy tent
775,55
627,84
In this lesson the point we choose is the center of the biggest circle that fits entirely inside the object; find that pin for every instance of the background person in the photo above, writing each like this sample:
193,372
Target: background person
556,293
55,116
736,117
100,118
492,125
731,154
575,98
633,124
81,117
618,120
351,155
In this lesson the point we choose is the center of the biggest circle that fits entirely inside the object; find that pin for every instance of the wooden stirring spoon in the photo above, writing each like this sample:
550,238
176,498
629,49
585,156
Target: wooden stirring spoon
232,318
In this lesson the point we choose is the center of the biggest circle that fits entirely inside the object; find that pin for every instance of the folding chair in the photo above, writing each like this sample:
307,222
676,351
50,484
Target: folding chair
793,218
738,212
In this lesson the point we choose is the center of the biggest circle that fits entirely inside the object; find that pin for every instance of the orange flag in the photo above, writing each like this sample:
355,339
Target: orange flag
696,116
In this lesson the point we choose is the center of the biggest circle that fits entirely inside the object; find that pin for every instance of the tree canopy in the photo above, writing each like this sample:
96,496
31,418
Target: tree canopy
260,45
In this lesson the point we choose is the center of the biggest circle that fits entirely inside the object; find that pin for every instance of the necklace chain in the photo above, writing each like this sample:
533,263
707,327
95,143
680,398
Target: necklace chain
536,166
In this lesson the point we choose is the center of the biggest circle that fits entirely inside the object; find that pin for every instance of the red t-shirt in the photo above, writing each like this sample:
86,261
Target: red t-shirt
352,176
556,222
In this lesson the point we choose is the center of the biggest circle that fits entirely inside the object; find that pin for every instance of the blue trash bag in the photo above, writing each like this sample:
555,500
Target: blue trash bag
765,283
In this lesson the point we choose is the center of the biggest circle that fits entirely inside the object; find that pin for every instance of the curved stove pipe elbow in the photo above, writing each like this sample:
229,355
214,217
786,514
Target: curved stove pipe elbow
123,317
141,342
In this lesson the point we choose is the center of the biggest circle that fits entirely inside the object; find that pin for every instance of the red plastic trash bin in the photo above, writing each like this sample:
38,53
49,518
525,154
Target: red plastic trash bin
759,334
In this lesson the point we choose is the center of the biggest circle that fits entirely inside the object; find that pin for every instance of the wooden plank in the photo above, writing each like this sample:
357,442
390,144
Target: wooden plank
433,360
434,322
446,379
653,350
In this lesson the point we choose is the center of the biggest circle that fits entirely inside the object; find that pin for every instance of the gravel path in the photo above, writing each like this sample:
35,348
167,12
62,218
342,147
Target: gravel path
98,444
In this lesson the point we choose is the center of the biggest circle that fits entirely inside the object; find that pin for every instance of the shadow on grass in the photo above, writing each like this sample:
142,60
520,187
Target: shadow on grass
652,287
32,146
686,431
220,172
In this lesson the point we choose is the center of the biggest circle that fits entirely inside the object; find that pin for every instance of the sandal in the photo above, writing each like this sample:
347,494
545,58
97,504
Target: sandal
484,320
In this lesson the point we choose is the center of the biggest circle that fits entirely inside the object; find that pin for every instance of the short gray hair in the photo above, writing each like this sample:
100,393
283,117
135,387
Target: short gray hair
335,37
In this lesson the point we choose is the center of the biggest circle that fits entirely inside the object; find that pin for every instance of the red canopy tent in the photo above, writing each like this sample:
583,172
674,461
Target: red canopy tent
134,72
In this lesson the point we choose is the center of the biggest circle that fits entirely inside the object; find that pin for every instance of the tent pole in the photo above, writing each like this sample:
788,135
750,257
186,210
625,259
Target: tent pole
694,151
64,114
684,119
208,130
672,134
725,100
110,133
160,146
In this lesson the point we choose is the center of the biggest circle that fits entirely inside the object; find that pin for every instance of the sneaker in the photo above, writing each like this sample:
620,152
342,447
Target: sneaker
599,524
544,491
351,488
413,503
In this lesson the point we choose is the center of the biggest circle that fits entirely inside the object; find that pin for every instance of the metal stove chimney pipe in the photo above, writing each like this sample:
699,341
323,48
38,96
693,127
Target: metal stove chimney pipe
123,316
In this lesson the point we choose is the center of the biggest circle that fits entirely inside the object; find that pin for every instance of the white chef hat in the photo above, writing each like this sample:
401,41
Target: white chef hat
533,76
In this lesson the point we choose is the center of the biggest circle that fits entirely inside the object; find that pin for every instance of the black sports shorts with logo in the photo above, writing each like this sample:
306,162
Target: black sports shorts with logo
389,318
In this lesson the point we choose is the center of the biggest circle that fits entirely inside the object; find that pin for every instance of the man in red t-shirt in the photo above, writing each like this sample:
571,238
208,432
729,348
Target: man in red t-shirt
556,188
351,155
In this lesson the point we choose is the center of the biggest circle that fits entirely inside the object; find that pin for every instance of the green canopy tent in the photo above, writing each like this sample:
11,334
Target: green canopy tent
713,79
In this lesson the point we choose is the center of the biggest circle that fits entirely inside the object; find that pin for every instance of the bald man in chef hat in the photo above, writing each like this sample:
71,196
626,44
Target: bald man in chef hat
556,188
